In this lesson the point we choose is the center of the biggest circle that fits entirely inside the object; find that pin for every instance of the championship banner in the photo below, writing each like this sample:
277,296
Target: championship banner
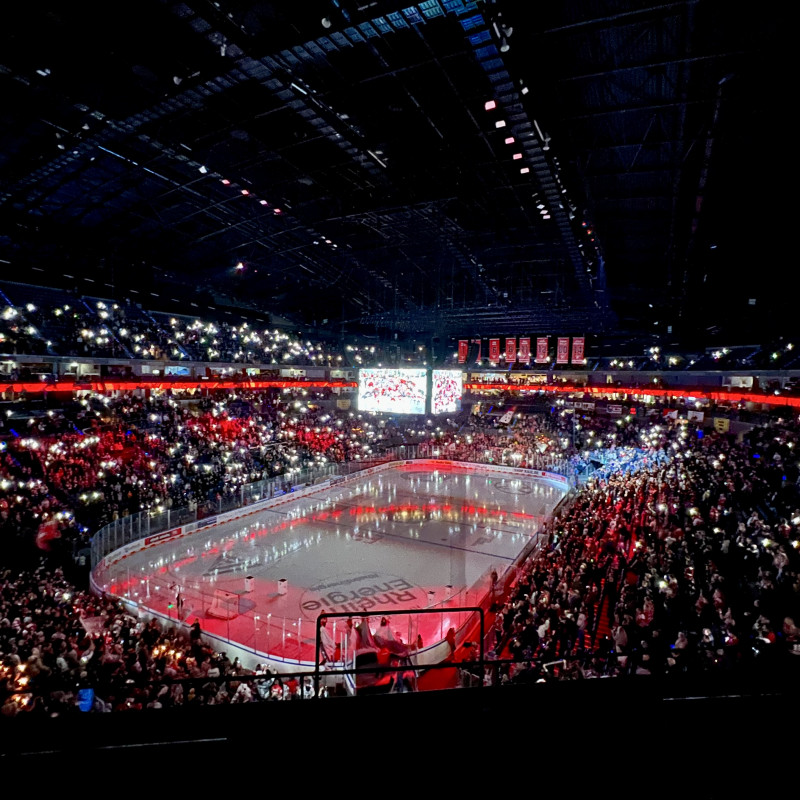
562,350
494,350
511,351
578,345
525,350
463,349
541,350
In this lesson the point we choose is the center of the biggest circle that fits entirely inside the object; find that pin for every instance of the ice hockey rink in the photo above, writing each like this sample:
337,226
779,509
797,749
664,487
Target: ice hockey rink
409,536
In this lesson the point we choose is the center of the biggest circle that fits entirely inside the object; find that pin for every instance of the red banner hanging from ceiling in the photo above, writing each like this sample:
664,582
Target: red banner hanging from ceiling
525,349
494,350
562,350
463,349
511,351
578,348
541,350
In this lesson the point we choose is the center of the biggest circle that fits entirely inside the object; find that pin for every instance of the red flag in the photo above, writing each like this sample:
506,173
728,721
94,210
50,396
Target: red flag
47,532
463,349
494,350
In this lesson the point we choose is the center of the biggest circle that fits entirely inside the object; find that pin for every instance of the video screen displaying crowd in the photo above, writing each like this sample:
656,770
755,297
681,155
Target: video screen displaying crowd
678,554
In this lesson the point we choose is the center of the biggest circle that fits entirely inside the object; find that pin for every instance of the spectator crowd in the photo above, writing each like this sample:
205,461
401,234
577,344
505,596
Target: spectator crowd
676,555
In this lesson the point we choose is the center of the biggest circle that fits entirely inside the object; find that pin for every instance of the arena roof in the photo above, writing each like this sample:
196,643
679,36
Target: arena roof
451,166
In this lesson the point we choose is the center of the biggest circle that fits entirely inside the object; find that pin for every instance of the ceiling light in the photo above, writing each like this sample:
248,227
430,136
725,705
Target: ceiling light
509,140
489,105
226,182
517,156
525,90
525,170
504,48
203,170
501,123
326,23
245,192
263,202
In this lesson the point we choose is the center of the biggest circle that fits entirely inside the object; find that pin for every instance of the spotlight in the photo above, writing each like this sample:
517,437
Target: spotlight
326,23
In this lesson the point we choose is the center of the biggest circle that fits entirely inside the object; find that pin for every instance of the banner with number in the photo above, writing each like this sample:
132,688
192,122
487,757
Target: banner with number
511,351
578,346
562,350
541,350
494,350
463,349
525,349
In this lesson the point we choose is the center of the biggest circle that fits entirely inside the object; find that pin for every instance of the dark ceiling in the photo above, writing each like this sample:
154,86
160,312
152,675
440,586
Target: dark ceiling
354,170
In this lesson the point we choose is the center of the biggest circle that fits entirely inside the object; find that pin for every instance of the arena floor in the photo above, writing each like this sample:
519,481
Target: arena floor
407,538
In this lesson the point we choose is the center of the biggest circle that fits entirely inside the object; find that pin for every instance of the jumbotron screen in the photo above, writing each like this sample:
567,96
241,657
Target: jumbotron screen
446,391
398,391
